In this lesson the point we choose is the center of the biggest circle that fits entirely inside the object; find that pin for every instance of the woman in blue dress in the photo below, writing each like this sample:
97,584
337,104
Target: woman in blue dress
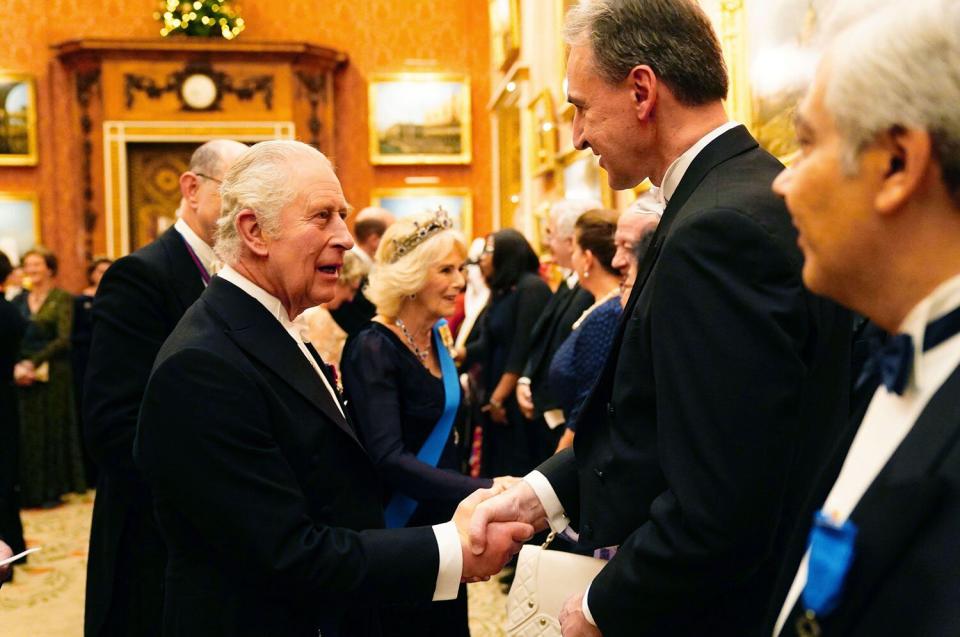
578,361
403,393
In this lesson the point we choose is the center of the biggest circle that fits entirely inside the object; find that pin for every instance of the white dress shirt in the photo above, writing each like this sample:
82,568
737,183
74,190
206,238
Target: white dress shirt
671,179
889,418
448,539
200,248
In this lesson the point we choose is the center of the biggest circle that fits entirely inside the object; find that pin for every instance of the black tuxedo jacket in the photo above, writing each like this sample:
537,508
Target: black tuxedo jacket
905,577
724,389
551,329
138,303
268,503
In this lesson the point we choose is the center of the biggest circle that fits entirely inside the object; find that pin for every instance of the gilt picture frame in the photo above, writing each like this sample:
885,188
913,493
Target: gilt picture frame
420,118
402,202
18,119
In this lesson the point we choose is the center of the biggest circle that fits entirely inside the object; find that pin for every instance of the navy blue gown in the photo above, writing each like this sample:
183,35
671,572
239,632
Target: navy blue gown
395,402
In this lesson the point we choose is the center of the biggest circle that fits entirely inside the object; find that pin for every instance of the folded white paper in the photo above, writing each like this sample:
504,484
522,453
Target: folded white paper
19,555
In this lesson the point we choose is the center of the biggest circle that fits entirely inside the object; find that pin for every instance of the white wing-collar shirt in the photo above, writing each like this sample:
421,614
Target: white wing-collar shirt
448,539
671,179
889,418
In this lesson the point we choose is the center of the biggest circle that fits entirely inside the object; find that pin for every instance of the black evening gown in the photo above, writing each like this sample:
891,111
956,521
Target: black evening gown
503,347
395,402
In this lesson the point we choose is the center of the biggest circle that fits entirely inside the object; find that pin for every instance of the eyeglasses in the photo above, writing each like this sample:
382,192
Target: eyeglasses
219,181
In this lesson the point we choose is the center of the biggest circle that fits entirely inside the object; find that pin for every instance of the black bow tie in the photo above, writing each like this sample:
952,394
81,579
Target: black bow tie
891,357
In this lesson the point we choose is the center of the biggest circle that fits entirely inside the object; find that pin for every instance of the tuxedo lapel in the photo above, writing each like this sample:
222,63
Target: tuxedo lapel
262,337
185,278
730,144
898,503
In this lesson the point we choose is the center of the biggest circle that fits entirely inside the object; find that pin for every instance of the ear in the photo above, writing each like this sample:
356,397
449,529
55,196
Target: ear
907,154
588,259
643,84
189,185
251,232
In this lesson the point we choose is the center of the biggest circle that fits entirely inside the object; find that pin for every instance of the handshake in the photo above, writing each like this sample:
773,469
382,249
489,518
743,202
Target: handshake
494,523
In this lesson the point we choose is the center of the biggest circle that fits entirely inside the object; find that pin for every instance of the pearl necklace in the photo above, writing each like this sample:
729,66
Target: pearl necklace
422,354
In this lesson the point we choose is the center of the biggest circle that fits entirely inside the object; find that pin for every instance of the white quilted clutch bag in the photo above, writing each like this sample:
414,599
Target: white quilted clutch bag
543,582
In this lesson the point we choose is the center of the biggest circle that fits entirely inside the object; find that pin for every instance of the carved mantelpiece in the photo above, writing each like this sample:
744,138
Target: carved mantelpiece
282,86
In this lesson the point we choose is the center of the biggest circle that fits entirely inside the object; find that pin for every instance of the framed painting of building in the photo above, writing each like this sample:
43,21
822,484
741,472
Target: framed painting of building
18,120
504,33
19,223
420,118
403,202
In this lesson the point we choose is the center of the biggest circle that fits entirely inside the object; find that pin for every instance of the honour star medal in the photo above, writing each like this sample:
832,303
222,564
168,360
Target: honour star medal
447,339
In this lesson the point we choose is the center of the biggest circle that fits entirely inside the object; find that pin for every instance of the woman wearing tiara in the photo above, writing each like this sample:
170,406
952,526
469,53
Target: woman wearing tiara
404,394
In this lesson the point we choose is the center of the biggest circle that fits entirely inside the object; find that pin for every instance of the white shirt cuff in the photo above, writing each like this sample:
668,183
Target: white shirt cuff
556,516
554,418
451,561
586,609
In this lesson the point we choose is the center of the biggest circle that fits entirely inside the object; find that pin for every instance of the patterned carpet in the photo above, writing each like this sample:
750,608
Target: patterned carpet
46,597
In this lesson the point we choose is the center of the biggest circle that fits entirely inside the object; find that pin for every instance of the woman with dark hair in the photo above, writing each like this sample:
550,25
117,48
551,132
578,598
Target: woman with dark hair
517,296
11,330
579,359
50,459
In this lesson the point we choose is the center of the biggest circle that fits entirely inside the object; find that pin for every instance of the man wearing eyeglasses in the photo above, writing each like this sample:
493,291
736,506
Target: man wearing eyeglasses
139,302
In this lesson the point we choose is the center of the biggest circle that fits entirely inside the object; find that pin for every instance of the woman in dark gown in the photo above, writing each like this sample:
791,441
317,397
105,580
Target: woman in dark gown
51,463
518,296
393,379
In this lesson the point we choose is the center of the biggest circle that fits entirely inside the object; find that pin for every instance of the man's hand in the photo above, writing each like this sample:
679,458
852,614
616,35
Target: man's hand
5,571
504,541
503,483
519,503
525,400
572,621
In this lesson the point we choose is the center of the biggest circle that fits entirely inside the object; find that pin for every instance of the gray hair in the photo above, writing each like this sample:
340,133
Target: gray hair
673,37
565,213
899,67
259,181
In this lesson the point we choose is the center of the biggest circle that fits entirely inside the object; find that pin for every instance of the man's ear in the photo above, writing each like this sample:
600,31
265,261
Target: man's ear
189,185
251,232
906,154
643,84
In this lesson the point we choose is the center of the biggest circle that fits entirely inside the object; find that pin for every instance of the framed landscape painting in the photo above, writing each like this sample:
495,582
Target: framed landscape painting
18,120
19,223
420,118
407,201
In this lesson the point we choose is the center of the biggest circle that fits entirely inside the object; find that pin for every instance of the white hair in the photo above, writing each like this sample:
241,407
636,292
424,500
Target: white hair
392,282
259,181
565,213
897,66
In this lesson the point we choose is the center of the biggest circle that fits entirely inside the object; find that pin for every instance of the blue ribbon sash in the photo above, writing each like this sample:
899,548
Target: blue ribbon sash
401,507
831,555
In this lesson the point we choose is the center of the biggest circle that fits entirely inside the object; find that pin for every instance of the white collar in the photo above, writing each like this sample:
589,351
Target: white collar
200,248
678,168
944,298
572,279
267,300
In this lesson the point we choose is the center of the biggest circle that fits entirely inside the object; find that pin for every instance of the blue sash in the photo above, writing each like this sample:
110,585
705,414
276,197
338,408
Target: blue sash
401,507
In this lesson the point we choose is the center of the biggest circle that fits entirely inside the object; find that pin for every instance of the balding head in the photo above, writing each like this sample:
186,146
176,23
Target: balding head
369,226
200,185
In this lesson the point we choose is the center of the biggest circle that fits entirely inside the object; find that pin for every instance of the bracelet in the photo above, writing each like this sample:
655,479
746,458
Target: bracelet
496,404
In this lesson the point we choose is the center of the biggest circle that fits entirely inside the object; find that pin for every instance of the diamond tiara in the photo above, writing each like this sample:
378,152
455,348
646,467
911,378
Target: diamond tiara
404,245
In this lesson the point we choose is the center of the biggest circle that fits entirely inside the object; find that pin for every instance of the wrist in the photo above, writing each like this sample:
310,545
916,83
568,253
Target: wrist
496,404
